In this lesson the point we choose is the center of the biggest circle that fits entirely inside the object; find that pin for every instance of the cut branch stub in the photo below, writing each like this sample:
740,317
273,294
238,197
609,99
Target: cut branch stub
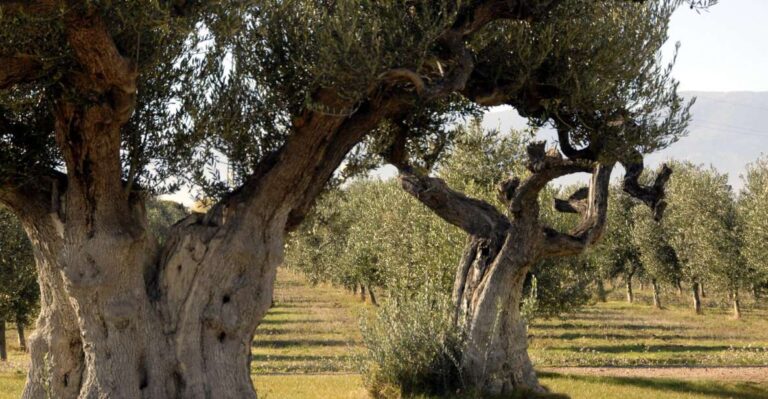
576,203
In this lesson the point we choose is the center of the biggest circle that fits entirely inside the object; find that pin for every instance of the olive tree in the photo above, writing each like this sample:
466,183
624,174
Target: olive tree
656,254
753,208
617,254
599,125
704,233
103,104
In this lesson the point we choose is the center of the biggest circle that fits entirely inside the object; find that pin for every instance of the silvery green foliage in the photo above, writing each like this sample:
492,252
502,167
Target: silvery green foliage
651,239
753,210
617,255
703,226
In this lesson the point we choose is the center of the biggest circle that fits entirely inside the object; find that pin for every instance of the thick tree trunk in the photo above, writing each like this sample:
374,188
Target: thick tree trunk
696,298
736,304
601,294
487,294
22,337
656,294
630,294
3,343
373,296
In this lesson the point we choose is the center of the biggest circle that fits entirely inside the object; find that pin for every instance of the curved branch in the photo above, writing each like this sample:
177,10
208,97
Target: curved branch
593,220
545,167
472,215
653,195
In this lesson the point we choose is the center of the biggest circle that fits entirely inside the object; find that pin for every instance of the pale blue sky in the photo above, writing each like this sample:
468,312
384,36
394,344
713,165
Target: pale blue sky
723,49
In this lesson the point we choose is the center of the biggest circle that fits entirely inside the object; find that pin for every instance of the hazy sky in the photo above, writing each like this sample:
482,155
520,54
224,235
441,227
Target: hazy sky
723,49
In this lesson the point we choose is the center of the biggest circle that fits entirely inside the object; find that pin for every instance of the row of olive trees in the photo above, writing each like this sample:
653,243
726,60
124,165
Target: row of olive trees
710,235
370,234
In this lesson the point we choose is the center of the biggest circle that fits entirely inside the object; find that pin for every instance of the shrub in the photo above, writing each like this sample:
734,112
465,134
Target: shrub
412,346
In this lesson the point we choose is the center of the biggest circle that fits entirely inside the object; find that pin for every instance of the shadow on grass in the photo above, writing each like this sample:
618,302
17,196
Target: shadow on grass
633,337
297,321
282,343
640,348
713,389
616,326
299,358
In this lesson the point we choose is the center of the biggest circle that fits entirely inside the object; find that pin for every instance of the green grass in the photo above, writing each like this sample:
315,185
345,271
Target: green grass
621,334
309,347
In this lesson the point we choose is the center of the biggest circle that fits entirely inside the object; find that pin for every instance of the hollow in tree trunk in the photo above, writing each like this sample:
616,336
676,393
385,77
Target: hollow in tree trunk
696,298
22,338
656,294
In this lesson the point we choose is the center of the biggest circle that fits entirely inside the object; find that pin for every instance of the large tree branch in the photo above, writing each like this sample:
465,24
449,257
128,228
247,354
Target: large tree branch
652,195
544,166
594,212
476,217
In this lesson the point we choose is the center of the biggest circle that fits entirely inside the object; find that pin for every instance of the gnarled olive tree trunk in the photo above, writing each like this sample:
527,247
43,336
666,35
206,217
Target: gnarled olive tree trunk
656,294
122,317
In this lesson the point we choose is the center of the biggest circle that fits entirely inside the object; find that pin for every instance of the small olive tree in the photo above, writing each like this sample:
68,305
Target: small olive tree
753,210
658,257
703,231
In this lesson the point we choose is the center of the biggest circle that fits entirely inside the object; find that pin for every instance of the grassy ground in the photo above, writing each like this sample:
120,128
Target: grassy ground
620,334
309,344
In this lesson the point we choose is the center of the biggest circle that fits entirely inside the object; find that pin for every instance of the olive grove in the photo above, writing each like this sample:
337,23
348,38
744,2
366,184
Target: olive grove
104,104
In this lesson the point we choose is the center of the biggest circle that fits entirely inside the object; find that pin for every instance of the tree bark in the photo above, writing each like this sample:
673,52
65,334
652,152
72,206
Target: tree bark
22,338
656,294
736,304
373,296
679,286
696,298
362,293
3,344
487,294
701,290
630,294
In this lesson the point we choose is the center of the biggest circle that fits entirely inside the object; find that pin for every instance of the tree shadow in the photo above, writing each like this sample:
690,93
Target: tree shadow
742,390
283,343
635,348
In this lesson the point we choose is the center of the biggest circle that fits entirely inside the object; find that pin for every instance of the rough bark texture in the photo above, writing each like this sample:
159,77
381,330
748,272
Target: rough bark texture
656,294
22,337
500,252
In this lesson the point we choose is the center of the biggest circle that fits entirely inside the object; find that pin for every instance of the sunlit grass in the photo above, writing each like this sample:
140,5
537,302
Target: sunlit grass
621,334
309,347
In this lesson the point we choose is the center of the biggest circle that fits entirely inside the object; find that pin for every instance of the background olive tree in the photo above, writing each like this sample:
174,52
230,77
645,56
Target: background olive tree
19,293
